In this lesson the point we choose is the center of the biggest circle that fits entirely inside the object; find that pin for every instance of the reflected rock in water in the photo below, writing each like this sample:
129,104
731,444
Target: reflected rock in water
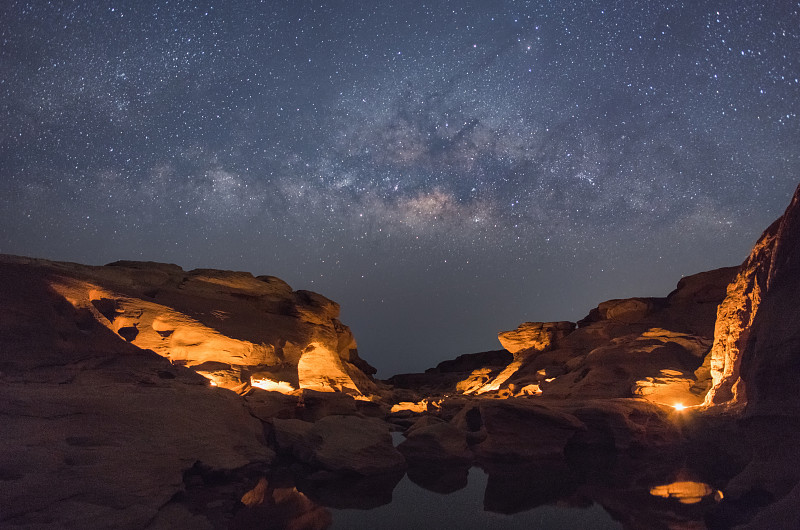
351,491
439,479
513,488
279,508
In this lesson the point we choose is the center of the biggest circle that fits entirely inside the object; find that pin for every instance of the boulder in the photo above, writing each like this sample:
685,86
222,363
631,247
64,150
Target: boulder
535,336
340,444
518,429
437,442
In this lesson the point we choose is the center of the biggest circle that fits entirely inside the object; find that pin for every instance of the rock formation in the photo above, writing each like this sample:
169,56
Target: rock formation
235,329
103,419
757,336
120,406
652,348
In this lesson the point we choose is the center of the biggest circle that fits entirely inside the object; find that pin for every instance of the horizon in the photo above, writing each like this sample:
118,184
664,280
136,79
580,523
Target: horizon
442,172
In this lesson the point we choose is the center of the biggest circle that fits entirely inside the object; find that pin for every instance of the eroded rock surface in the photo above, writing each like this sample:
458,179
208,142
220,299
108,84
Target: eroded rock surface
102,417
234,328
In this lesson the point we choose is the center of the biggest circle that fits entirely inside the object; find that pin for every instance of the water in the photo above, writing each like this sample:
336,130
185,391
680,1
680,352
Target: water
587,490
415,507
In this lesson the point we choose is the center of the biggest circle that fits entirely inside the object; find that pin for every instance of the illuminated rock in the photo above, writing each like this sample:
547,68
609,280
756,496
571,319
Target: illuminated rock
668,387
755,364
640,347
420,406
465,374
757,338
735,317
230,326
476,380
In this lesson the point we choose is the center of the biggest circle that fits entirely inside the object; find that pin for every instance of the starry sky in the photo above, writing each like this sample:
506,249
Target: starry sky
443,169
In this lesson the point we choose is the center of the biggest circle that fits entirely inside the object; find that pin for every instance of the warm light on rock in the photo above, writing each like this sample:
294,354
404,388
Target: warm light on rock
421,406
265,383
530,390
679,406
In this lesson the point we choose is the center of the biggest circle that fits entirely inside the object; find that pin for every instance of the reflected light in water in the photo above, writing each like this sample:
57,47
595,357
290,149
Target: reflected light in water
685,492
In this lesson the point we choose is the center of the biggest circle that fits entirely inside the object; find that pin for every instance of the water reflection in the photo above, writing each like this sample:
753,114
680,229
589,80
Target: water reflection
415,507
594,489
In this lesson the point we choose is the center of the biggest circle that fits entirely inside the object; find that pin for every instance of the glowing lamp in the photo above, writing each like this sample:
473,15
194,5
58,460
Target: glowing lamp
679,406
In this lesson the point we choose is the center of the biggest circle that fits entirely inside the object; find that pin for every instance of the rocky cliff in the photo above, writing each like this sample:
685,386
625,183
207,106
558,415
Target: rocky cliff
755,359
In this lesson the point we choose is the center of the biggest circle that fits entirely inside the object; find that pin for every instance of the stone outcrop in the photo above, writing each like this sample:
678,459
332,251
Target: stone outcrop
466,372
105,442
757,335
231,327
651,348
519,429
437,442
102,416
535,336
755,364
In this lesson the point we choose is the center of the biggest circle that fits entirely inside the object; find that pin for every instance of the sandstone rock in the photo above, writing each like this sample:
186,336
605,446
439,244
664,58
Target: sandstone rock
535,336
639,347
518,429
623,424
341,444
465,374
437,442
636,364
735,317
472,361
231,326
757,335
109,448
628,310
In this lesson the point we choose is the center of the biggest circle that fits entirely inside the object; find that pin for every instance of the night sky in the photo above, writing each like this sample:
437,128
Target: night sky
443,170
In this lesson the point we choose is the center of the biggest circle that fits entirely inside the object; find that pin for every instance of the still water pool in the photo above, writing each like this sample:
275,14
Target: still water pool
415,507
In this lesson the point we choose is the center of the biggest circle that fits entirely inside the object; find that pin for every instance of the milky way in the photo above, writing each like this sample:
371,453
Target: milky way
444,170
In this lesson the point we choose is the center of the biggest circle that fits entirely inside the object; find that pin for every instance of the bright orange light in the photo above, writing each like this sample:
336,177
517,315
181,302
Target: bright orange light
273,386
679,406
422,406
685,492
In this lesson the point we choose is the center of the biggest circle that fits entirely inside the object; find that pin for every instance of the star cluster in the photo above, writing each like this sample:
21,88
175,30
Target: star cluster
444,170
